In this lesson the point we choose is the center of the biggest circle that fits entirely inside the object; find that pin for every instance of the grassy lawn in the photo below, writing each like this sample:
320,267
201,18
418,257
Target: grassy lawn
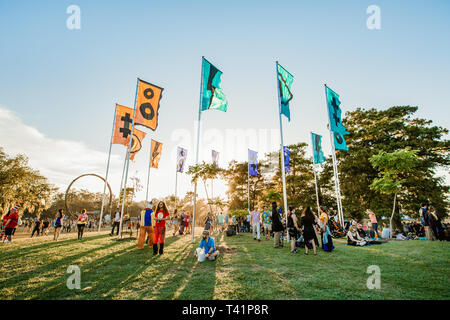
113,269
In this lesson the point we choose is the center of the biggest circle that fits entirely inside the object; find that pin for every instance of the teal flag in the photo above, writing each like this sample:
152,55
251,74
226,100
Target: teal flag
317,148
212,95
285,80
334,112
339,142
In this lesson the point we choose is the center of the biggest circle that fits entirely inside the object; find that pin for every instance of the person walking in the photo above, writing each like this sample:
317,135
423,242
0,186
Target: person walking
11,223
208,221
58,224
266,218
159,232
37,227
45,225
220,220
146,226
255,219
81,223
309,233
175,222
293,228
277,226
116,222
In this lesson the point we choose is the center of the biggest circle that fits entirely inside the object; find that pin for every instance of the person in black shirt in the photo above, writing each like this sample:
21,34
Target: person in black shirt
309,235
277,226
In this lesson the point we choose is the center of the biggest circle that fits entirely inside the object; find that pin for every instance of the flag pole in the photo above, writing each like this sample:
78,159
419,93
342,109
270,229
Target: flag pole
128,163
176,184
315,178
248,179
196,153
148,175
335,169
107,171
283,174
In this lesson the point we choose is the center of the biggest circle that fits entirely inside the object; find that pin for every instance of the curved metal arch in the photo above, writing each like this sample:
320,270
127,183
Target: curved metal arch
66,202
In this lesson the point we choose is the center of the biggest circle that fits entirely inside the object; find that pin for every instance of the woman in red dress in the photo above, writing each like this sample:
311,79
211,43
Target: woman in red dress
159,231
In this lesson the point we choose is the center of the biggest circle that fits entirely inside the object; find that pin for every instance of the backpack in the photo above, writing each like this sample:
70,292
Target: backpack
230,232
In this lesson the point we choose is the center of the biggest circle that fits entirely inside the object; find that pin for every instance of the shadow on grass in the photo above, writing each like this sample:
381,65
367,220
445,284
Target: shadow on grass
49,244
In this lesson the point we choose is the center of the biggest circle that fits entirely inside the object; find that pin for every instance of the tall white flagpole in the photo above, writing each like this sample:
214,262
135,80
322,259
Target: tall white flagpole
148,175
335,169
128,163
248,179
107,171
283,174
198,147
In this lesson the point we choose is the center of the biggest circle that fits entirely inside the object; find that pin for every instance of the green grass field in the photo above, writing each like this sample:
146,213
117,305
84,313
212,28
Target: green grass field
113,269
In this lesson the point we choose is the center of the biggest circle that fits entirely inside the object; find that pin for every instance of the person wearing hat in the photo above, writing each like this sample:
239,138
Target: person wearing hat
207,243
146,227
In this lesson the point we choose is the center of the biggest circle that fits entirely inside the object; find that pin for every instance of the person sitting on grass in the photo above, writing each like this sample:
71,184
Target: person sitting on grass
353,237
206,249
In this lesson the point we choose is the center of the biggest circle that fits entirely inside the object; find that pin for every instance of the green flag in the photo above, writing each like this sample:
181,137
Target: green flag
285,80
212,95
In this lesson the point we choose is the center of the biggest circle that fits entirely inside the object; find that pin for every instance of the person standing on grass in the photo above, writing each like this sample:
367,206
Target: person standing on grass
146,227
186,224
4,220
309,233
45,225
327,242
277,226
81,223
255,219
37,227
116,223
435,223
11,223
293,228
373,221
58,223
220,221
159,232
208,221
175,222
267,222
423,213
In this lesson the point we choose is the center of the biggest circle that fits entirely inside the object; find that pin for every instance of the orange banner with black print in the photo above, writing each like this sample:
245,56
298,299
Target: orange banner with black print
155,154
147,104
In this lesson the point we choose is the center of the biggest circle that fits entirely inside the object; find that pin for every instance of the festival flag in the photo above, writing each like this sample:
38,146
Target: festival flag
212,95
215,157
317,148
334,112
286,159
181,159
285,80
123,125
155,153
136,142
252,162
147,104
339,142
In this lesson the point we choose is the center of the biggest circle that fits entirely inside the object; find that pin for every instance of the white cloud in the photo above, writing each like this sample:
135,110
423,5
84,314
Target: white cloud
59,160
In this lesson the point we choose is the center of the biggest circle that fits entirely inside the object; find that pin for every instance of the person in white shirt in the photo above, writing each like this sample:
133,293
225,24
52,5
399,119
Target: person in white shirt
116,223
255,219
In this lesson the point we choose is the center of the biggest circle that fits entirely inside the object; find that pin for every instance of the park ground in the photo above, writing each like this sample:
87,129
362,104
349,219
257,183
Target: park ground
247,269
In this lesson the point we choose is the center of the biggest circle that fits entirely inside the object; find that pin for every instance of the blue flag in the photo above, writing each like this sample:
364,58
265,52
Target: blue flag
252,162
339,142
181,159
317,148
212,95
286,159
285,80
334,112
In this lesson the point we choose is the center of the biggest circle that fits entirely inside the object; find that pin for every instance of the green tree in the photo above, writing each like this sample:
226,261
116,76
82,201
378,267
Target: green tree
390,130
394,169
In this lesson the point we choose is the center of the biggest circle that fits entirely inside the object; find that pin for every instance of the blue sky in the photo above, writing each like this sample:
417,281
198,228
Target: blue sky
64,83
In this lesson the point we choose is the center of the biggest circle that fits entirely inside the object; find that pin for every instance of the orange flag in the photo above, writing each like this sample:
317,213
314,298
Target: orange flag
147,104
123,125
122,130
155,154
136,143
